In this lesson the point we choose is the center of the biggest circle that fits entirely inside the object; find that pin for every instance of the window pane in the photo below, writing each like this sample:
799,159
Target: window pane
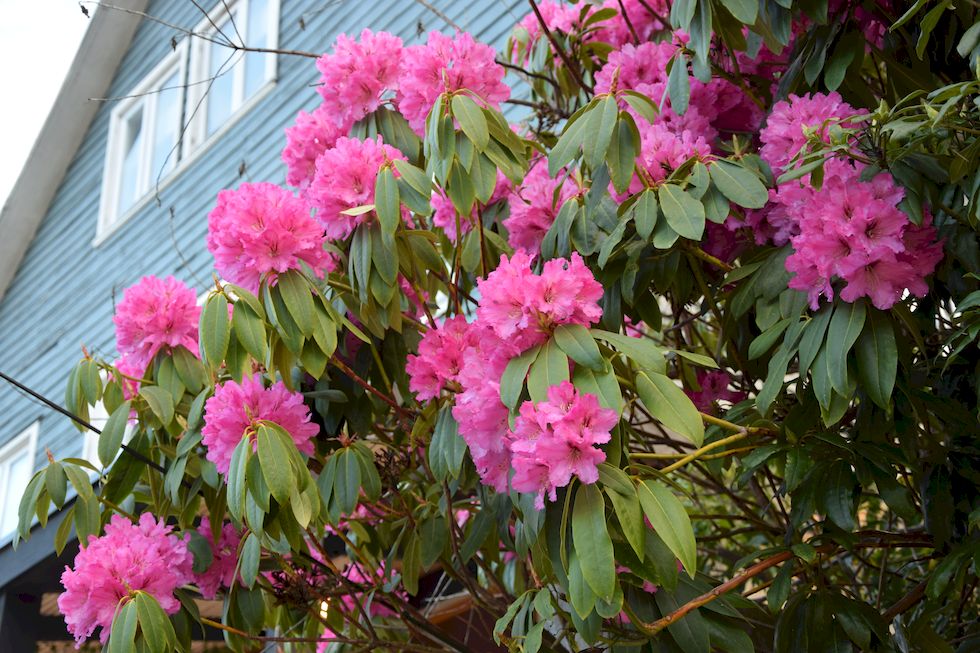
129,175
17,477
220,95
167,128
258,37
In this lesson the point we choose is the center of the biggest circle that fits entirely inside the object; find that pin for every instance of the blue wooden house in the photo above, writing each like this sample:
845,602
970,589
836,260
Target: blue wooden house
155,117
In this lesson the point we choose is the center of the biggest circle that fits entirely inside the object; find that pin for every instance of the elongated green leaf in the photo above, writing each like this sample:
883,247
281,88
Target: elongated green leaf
744,11
236,478
684,214
412,564
670,521
602,384
56,483
447,448
249,561
570,141
471,120
215,331
122,635
679,85
645,213
158,631
590,535
512,381
738,184
623,149
813,337
670,405
274,458
640,350
627,507
111,438
160,402
250,331
845,327
386,200
296,295
877,358
548,369
603,122
576,341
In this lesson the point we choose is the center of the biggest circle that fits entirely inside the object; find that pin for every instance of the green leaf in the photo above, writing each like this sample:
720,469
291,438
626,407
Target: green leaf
602,123
668,403
158,631
570,141
160,402
670,521
447,448
251,553
250,331
691,632
778,364
471,120
645,213
623,149
412,564
627,507
215,331
779,590
56,483
765,340
590,535
512,381
347,483
838,494
684,214
415,177
386,201
111,438
295,292
845,327
580,593
548,369
236,478
679,84
642,351
813,337
877,358
745,11
602,384
189,369
738,184
122,635
576,341
274,457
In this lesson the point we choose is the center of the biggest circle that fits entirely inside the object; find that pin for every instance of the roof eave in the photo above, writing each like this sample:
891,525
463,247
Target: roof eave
105,43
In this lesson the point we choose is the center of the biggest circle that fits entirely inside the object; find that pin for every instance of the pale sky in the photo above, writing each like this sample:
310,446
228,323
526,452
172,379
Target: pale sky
38,40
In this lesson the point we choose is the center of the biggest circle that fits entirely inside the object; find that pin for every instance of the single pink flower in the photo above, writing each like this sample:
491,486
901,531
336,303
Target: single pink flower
308,138
155,314
264,230
359,75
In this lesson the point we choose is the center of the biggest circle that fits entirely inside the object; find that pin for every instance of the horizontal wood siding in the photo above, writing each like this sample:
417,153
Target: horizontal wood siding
65,290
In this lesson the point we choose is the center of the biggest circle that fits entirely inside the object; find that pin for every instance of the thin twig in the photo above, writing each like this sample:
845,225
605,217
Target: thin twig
572,68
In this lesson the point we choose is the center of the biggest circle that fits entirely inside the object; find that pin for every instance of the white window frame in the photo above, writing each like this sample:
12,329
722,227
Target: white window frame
142,98
26,438
197,135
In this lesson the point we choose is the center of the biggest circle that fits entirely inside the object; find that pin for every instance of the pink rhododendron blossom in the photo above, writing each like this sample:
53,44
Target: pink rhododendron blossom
312,134
345,178
662,151
523,308
440,357
358,75
790,121
444,65
714,388
557,439
236,408
128,558
155,314
263,229
534,207
129,372
853,230
220,573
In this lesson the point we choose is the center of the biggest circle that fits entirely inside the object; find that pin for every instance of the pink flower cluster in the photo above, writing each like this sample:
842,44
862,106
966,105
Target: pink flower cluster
264,230
556,439
359,75
444,65
221,573
306,140
849,229
791,121
534,207
128,558
345,177
852,230
155,315
662,151
236,408
523,308
517,310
